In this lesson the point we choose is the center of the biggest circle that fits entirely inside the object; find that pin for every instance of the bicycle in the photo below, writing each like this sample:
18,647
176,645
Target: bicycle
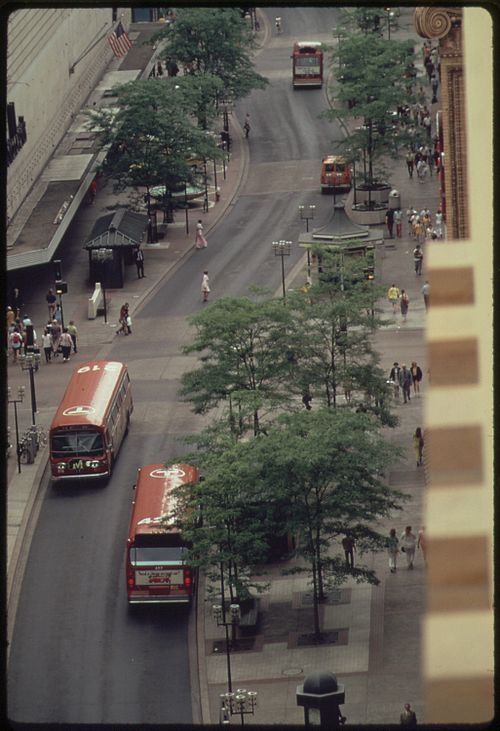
25,452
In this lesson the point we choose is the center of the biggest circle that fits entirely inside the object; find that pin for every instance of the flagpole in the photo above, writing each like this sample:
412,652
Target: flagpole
87,50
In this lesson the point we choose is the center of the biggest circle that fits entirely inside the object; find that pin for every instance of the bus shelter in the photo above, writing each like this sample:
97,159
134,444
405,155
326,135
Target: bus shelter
111,246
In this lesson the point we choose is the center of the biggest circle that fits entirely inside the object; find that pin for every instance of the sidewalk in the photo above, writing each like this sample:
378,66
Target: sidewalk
378,627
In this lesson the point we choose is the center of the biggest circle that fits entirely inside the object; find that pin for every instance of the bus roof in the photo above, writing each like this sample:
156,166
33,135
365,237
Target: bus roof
304,45
153,500
88,395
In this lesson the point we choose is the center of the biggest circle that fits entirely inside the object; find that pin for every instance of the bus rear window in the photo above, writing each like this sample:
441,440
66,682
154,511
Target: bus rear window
76,443
157,555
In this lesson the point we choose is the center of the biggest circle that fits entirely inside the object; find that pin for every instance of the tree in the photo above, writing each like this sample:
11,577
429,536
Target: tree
213,41
331,337
152,135
244,358
372,88
327,468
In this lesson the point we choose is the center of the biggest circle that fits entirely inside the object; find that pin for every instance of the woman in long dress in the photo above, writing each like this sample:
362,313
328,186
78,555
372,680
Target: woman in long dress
200,240
205,286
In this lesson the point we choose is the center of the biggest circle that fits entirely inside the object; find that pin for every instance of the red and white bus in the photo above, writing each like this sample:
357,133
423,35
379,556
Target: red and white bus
92,419
307,64
156,571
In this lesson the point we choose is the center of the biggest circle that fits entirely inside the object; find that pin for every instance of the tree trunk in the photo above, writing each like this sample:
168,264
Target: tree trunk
317,628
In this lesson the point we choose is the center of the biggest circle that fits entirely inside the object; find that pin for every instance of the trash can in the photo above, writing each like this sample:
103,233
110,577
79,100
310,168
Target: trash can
394,199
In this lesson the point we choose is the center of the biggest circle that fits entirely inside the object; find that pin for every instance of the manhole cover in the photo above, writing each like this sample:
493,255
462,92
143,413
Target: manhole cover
292,671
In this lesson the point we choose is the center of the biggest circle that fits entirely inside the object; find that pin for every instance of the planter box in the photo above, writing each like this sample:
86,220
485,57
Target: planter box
380,194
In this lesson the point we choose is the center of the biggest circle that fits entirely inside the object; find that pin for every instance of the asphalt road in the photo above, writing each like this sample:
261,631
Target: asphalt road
77,654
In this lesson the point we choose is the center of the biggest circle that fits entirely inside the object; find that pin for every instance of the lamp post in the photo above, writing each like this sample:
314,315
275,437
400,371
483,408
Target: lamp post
390,15
29,362
19,400
241,703
282,248
307,216
61,288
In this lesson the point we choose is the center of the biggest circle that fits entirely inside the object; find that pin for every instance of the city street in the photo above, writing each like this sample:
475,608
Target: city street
77,655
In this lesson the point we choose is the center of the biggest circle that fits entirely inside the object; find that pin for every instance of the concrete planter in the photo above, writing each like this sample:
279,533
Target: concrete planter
378,195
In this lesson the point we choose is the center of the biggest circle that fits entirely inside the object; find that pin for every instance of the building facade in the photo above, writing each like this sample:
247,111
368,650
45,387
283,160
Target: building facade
55,57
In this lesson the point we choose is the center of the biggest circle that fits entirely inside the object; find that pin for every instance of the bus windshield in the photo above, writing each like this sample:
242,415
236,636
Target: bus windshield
77,443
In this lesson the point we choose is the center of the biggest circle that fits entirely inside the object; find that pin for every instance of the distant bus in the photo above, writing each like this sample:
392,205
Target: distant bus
92,419
335,174
156,571
307,64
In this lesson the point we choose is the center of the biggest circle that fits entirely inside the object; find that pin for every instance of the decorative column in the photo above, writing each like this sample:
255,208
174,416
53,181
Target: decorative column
445,26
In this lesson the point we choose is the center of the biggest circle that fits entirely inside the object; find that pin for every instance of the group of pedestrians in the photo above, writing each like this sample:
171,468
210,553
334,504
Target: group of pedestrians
398,297
55,339
401,377
407,543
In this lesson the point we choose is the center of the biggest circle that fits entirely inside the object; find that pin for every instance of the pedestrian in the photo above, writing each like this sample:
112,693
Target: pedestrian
393,550
408,717
438,223
51,303
349,546
66,344
422,170
405,382
47,344
246,126
30,339
139,261
427,125
398,217
16,301
123,320
56,331
200,240
74,333
429,67
9,321
58,314
404,302
15,342
205,286
394,378
408,542
418,258
92,191
389,219
418,445
421,543
434,87
393,295
416,375
410,163
426,290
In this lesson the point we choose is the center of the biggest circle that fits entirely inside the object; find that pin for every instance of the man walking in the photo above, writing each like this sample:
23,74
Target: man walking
408,717
349,546
405,382
426,290
139,262
408,542
393,295
398,215
418,257
389,219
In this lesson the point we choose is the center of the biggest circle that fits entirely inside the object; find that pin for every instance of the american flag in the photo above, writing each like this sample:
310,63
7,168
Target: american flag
119,41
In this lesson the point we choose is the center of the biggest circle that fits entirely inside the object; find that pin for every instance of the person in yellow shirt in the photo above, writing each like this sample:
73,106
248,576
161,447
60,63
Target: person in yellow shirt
393,294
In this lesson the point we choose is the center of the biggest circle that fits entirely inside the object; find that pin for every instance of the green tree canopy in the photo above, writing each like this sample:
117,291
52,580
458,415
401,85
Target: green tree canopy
213,41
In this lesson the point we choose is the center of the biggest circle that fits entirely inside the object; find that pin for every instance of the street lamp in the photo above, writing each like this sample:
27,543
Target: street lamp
219,614
307,216
282,248
29,362
19,400
243,702
61,288
390,15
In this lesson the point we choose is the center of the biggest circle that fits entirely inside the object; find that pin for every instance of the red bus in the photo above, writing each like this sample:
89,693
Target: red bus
307,64
155,568
91,421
